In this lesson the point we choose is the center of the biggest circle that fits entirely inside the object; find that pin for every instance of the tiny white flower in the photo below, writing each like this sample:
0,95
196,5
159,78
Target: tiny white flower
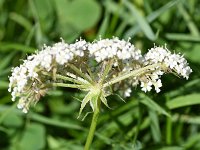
157,84
146,86
24,110
127,92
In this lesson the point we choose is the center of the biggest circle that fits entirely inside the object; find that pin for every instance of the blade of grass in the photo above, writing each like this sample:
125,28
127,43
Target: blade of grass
8,46
121,28
192,141
142,22
6,60
182,37
153,105
115,18
54,122
150,18
113,7
182,101
155,127
188,20
184,89
21,20
189,119
104,25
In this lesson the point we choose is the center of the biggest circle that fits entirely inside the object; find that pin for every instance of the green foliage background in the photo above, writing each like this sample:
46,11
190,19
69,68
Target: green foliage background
165,121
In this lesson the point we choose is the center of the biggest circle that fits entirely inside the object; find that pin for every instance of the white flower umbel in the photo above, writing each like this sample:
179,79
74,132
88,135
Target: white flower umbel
168,63
174,62
109,48
99,68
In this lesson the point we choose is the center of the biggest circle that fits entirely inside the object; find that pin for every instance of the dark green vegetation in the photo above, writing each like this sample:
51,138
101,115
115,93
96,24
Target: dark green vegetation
165,121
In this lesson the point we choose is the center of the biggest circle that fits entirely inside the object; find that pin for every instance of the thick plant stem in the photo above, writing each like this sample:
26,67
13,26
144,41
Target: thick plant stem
92,127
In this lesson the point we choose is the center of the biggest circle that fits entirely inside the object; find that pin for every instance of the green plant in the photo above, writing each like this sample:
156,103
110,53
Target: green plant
99,68
165,120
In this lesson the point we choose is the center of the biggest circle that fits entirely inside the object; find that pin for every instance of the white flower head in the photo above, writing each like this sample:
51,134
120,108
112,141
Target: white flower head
91,67
175,62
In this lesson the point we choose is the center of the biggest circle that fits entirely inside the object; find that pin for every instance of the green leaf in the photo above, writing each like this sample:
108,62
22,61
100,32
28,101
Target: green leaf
182,37
192,85
183,101
36,14
153,16
83,14
155,128
191,50
104,26
144,25
76,16
12,120
86,99
94,99
55,143
104,100
6,60
192,141
21,20
7,46
193,53
55,122
42,11
188,20
33,137
153,105
116,8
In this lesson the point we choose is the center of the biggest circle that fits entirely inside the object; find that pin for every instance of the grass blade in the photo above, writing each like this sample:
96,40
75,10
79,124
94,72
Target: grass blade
150,18
7,46
182,101
146,28
153,105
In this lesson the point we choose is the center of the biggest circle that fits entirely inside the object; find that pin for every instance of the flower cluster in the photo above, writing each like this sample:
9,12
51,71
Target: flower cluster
27,82
83,64
172,62
175,62
109,48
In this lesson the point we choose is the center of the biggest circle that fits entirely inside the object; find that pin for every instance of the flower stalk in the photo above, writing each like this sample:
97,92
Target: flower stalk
69,85
133,73
93,126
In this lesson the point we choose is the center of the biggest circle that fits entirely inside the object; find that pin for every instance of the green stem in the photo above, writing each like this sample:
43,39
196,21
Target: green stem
71,79
169,131
70,85
79,72
92,127
131,73
65,78
107,68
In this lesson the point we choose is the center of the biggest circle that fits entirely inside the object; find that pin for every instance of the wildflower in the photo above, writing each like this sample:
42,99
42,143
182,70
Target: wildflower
113,48
157,84
174,62
127,92
146,86
98,68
